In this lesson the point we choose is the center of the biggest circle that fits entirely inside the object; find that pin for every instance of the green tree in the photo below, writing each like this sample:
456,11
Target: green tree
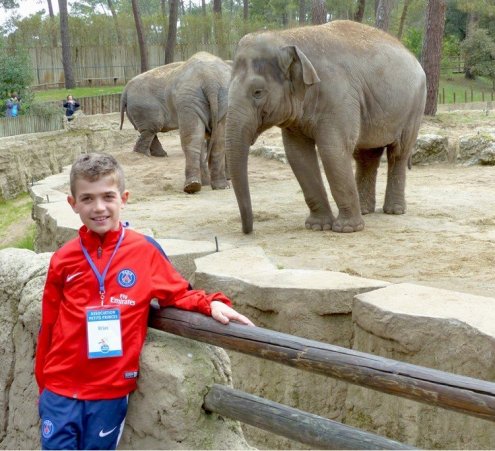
15,76
478,50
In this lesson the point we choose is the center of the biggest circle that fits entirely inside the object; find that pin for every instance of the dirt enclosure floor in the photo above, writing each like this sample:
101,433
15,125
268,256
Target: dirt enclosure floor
446,239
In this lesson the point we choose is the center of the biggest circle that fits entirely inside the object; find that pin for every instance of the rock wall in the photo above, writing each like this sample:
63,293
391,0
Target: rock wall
164,413
24,159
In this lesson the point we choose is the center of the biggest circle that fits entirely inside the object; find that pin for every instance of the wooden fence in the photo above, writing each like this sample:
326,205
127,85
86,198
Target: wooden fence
20,125
30,123
104,64
449,391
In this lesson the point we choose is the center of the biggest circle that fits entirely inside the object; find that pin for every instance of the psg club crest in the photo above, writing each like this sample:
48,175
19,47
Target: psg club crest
47,428
126,278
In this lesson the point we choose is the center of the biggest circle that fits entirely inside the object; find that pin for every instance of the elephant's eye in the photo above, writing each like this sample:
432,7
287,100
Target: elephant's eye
258,93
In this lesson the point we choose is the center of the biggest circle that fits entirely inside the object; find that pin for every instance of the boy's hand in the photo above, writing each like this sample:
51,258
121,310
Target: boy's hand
223,314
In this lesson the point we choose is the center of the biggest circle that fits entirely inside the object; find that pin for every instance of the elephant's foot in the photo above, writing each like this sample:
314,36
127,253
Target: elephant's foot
156,148
192,186
394,209
348,225
367,209
318,223
143,151
158,152
220,184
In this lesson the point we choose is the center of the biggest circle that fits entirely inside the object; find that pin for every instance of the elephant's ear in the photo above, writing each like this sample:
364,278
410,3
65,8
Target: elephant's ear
298,69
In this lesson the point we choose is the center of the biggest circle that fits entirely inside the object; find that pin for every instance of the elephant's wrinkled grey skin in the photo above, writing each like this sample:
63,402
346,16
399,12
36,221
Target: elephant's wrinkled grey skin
343,88
190,96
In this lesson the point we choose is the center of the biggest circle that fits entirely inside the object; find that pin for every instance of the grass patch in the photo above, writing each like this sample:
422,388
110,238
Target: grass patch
459,119
53,95
457,87
17,229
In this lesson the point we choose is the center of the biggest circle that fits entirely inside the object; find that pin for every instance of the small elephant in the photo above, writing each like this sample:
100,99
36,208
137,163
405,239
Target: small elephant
342,89
190,96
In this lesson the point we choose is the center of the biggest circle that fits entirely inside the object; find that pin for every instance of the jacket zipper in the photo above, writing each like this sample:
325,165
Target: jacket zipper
99,251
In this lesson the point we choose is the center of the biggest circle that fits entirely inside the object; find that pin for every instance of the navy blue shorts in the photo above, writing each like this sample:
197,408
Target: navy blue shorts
68,423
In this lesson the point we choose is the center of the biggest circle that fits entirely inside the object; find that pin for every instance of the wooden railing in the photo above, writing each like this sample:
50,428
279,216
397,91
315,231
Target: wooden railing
450,391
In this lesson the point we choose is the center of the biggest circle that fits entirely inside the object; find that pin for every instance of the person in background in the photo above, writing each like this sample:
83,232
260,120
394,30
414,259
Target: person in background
70,106
13,105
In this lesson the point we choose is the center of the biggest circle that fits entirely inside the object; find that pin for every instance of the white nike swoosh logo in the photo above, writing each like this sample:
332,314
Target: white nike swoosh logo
69,278
104,434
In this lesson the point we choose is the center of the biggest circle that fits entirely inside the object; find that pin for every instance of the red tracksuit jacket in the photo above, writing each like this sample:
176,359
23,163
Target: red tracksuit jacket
139,272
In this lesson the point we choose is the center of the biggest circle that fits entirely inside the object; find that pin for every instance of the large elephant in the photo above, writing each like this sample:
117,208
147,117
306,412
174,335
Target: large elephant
190,96
346,89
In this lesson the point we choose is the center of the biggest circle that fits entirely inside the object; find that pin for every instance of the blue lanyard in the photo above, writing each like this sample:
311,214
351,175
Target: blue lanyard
101,277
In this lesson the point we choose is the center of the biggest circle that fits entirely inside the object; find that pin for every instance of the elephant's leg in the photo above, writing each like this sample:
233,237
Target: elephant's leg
205,172
301,155
144,141
395,201
216,157
367,162
156,148
192,136
337,162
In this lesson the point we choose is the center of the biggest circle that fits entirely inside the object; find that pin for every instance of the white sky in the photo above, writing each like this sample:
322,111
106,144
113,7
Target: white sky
28,7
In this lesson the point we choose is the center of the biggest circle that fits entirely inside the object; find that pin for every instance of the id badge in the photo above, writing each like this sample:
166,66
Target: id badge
104,333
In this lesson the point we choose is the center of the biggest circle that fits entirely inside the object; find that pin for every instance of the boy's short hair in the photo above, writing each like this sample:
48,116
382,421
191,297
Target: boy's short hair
92,167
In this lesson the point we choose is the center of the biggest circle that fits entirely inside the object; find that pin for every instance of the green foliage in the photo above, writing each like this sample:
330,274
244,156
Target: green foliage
16,227
413,40
15,76
478,50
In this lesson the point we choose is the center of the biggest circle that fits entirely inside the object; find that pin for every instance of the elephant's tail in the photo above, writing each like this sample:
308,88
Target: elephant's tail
217,96
212,97
123,106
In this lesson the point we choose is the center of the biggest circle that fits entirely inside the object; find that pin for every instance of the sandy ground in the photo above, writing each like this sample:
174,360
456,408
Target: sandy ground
446,239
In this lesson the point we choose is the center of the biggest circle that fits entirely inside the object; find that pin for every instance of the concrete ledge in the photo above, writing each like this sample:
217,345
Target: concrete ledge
442,329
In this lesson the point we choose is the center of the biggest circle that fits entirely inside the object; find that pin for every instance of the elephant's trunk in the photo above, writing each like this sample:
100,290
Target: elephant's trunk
237,150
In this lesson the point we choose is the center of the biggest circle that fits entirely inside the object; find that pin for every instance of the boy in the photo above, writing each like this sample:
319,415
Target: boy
95,309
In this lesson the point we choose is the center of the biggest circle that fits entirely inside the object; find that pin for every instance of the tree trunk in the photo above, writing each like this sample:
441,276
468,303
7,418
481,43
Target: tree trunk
70,82
172,31
53,30
205,24
302,12
432,51
163,7
403,19
471,25
218,28
115,21
245,15
359,14
140,35
382,19
318,12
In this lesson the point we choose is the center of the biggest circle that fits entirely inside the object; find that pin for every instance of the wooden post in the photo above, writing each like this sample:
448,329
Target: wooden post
295,424
449,391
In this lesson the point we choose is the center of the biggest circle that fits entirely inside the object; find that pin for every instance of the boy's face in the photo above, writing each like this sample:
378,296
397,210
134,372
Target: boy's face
98,203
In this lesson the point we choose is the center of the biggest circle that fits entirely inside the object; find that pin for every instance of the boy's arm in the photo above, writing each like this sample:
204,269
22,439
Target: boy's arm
52,296
172,290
